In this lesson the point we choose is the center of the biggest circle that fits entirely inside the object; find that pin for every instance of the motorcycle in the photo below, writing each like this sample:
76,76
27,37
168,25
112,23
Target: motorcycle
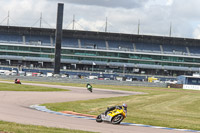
89,87
115,116
18,82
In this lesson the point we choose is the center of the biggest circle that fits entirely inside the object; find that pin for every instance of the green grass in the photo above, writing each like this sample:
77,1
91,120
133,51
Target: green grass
21,128
175,108
166,107
18,87
49,83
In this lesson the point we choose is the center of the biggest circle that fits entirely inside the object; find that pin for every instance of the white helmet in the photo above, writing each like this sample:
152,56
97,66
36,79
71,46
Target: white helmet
124,105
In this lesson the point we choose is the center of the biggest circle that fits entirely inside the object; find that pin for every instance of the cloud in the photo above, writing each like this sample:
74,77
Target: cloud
123,15
169,2
196,32
26,13
108,3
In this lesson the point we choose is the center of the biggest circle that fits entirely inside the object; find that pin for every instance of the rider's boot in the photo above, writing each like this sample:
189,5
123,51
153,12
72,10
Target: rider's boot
105,113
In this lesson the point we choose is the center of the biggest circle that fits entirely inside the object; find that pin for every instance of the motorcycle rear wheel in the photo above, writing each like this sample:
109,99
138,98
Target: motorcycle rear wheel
117,119
98,119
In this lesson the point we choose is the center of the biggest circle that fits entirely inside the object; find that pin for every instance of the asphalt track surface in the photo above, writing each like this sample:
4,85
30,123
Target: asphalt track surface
14,107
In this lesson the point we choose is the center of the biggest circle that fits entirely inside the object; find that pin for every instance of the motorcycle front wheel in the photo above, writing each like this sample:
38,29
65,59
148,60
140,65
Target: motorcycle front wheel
98,119
90,90
117,119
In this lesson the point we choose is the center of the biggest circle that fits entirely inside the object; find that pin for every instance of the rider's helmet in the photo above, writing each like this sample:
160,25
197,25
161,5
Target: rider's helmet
124,105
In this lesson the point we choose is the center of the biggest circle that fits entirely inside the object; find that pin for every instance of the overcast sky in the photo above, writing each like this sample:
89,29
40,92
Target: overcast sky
123,15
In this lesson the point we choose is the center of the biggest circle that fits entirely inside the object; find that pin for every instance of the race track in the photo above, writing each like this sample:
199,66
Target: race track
14,107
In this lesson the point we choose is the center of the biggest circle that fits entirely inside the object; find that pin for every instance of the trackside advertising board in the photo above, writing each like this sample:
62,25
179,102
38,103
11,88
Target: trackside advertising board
191,87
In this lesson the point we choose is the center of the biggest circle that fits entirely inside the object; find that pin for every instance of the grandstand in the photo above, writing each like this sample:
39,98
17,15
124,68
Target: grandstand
100,51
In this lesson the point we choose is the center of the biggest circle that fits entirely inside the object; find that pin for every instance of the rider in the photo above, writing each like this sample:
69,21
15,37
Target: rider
17,81
88,86
124,106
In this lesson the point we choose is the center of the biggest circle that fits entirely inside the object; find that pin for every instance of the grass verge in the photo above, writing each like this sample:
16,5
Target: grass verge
175,108
21,87
12,127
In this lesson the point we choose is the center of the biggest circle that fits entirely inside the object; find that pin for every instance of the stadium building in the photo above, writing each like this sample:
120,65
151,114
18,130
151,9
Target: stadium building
100,51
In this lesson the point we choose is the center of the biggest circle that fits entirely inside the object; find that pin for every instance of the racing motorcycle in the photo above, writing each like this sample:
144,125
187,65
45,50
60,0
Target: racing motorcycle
17,81
115,116
89,87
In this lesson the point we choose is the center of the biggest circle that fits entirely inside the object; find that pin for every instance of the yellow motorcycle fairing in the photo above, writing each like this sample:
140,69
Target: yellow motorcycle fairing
116,112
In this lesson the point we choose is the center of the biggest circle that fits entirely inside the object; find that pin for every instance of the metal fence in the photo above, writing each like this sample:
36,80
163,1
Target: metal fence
83,81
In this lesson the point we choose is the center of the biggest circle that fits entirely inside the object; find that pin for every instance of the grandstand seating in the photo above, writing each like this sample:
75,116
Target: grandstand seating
152,48
70,42
10,38
194,50
38,40
120,45
174,49
93,44
101,44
